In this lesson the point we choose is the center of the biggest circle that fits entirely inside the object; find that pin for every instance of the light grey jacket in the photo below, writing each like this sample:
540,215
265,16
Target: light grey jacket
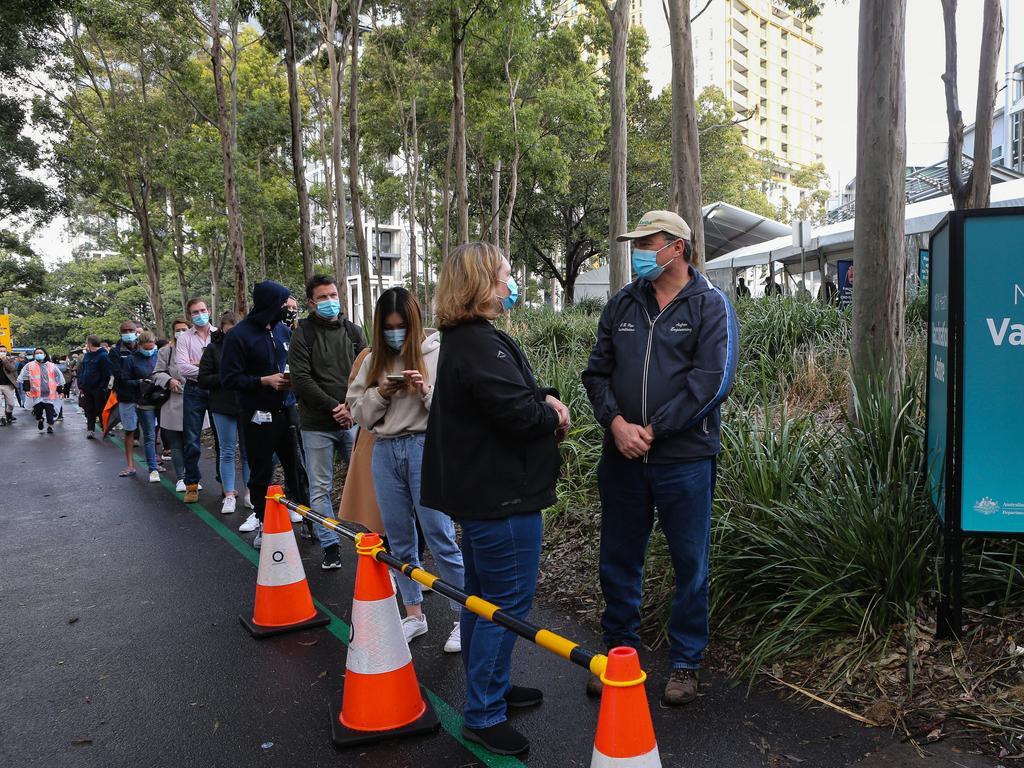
172,412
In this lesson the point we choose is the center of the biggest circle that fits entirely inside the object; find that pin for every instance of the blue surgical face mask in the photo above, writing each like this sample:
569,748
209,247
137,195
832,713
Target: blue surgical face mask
509,301
201,320
129,338
328,308
645,263
40,357
395,339
148,352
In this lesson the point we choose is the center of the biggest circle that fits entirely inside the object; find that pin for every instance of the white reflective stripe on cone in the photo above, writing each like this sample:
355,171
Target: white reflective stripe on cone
280,563
378,644
651,760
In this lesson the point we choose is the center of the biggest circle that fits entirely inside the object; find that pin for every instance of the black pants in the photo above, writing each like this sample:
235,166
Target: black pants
40,408
262,441
93,401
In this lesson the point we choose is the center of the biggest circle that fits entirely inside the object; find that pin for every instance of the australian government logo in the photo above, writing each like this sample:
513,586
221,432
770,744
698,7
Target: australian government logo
986,506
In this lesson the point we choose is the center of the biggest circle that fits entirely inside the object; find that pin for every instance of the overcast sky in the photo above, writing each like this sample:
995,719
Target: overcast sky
926,110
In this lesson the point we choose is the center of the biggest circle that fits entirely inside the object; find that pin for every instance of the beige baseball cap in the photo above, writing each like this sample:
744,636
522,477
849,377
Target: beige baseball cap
653,222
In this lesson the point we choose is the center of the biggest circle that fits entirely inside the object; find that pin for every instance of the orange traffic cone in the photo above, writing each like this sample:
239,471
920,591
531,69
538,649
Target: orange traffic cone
625,735
382,697
283,601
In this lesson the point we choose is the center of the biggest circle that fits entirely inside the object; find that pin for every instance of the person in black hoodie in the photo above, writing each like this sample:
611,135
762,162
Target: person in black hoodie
490,460
253,362
94,382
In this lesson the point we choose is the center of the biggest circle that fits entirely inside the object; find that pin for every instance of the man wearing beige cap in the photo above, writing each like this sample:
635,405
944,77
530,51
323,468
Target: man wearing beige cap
663,363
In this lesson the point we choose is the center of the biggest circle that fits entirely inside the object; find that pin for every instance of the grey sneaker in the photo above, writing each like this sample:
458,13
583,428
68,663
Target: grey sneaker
414,626
258,541
681,687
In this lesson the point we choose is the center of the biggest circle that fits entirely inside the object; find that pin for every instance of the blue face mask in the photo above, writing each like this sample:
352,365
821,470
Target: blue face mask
201,320
129,338
645,263
328,308
513,295
395,339
148,352
40,357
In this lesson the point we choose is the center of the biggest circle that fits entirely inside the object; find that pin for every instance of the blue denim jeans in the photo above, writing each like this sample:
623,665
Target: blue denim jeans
502,558
681,493
227,433
396,478
320,449
195,402
175,443
147,423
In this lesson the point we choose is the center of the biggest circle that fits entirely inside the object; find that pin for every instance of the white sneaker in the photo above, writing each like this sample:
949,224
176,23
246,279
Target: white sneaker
250,524
154,476
454,642
228,506
414,626
248,501
179,487
295,517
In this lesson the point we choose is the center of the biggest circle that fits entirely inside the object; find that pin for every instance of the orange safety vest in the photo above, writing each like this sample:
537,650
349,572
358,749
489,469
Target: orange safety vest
35,380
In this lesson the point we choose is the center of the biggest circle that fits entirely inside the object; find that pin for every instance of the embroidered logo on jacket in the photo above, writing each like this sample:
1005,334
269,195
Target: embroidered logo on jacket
625,327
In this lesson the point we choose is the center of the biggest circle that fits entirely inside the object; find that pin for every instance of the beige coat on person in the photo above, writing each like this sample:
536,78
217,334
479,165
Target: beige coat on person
358,497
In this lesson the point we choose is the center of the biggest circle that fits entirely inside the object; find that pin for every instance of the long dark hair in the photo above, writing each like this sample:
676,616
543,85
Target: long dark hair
397,300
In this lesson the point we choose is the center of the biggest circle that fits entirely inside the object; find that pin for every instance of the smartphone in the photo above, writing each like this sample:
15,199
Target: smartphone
396,378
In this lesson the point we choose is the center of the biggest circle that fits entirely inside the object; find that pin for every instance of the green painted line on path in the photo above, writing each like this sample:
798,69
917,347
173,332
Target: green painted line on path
450,717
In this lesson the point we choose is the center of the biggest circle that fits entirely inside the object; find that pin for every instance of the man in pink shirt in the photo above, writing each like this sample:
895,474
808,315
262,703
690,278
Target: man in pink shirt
188,351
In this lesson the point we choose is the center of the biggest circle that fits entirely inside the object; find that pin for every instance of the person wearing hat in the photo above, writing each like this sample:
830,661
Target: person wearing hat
771,287
663,363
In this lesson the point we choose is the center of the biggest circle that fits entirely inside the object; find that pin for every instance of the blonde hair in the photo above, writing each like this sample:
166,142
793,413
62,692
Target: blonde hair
466,286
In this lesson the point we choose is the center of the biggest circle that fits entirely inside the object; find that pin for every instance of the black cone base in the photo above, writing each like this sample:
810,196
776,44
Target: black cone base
346,737
260,632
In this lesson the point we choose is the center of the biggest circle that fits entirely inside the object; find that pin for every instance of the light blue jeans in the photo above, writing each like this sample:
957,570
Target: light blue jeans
147,423
396,478
227,433
320,448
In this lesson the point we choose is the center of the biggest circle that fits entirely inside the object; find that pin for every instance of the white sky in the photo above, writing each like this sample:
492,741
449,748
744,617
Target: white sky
926,105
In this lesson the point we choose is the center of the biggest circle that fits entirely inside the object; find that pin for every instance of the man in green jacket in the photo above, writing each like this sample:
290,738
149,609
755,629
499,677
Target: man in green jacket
319,361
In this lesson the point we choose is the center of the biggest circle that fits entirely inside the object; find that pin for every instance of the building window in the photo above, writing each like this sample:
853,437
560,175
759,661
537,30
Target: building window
387,267
785,148
384,242
353,265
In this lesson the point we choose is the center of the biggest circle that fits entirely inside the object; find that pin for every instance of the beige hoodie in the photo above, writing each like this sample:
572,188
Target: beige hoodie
406,412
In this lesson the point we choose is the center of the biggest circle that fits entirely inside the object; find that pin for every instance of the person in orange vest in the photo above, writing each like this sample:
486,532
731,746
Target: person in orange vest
45,385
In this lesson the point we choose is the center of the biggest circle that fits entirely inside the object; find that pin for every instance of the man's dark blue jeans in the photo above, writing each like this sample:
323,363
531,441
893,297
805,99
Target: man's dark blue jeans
681,493
195,403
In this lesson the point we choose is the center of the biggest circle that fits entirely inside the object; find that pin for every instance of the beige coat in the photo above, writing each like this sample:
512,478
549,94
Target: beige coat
358,497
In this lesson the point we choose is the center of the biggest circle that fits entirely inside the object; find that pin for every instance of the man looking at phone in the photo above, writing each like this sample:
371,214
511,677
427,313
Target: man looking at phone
252,363
320,361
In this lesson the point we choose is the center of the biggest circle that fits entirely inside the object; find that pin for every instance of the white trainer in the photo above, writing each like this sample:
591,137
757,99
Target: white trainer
295,517
154,476
248,501
250,524
228,506
454,642
414,626
179,486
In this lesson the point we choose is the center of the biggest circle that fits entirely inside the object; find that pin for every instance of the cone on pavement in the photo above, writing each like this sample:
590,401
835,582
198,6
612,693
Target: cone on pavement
283,601
381,698
625,734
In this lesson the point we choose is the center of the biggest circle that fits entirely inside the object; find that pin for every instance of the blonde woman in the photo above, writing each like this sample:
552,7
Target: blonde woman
491,462
391,397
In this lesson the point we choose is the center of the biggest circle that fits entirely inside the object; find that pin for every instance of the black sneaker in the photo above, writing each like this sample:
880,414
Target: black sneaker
11,418
40,425
332,558
501,739
49,430
60,417
90,435
519,697
3,422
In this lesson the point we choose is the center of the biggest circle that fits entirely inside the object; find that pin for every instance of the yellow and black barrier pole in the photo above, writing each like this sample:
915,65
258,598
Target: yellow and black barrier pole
595,663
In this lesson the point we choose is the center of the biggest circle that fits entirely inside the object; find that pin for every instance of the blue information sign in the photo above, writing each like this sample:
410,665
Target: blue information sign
922,266
938,368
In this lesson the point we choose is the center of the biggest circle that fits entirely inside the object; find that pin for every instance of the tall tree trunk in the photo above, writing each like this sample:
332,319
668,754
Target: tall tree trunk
878,250
337,66
233,79
179,252
494,224
413,171
447,242
459,111
975,192
214,278
263,226
513,180
686,184
298,164
618,253
140,206
236,243
353,170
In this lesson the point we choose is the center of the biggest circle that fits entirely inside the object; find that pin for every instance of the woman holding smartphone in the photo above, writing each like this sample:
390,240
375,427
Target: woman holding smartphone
391,397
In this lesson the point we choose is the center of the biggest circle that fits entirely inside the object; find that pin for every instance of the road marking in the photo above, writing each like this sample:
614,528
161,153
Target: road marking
451,718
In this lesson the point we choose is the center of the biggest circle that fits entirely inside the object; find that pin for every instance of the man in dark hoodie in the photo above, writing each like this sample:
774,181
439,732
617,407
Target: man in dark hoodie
320,361
664,361
94,382
253,362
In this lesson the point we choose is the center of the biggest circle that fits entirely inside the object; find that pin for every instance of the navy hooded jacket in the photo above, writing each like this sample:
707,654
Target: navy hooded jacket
256,347
670,368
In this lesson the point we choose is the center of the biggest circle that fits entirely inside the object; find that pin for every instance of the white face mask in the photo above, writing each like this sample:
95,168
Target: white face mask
3,354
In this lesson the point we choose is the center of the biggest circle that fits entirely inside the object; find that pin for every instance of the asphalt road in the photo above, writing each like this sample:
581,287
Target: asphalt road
120,645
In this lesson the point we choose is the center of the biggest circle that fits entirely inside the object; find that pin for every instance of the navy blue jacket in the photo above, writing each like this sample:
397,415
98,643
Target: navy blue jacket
670,368
256,347
134,369
94,371
118,354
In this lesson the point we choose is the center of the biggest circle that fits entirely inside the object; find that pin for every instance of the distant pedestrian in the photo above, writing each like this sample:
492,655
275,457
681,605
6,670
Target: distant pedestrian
188,351
742,291
8,386
43,383
772,287
169,376
93,383
136,369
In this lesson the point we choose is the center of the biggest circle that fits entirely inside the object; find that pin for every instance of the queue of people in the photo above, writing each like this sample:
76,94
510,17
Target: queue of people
460,433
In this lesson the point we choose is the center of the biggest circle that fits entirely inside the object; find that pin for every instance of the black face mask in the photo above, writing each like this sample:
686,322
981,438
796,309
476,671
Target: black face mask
288,316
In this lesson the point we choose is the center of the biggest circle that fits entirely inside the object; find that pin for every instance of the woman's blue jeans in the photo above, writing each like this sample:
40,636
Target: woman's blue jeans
227,432
396,478
147,423
502,558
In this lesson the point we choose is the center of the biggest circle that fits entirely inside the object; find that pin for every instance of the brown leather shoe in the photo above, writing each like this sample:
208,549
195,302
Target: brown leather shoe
594,687
191,493
681,688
